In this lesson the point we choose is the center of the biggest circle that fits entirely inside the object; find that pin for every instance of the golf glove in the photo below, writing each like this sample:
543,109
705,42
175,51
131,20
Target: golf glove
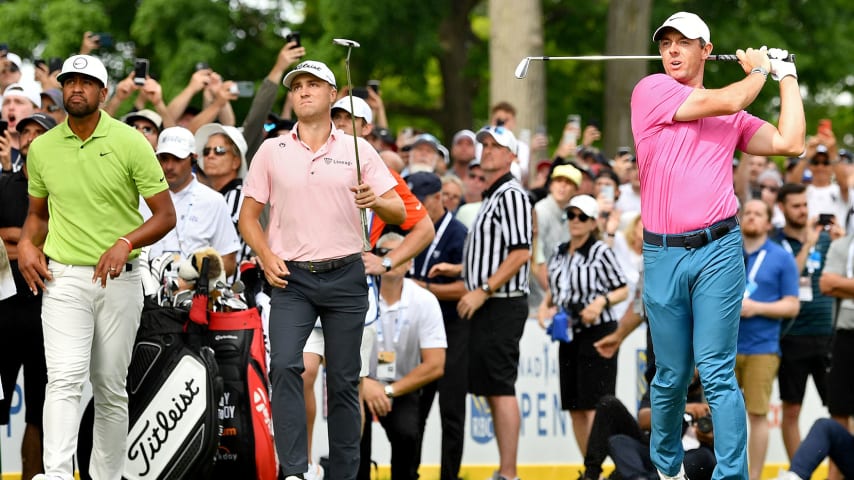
780,68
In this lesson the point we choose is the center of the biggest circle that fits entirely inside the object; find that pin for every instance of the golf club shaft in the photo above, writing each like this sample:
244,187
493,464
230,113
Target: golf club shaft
721,58
363,215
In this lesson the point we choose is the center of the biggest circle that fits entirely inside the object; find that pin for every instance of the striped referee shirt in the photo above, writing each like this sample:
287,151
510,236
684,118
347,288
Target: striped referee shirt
233,193
576,280
503,224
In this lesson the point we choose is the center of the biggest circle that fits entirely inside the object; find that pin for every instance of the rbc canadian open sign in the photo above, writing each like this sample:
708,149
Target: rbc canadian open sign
167,422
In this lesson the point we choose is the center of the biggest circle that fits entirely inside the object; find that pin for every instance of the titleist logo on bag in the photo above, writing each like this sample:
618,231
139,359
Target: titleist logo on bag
167,421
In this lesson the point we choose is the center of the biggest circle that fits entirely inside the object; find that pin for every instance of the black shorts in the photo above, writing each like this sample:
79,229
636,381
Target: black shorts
23,345
586,376
496,329
840,381
801,357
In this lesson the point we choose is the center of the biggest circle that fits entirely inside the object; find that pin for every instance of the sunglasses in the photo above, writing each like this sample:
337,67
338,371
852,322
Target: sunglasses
381,251
218,151
581,216
816,163
145,130
770,188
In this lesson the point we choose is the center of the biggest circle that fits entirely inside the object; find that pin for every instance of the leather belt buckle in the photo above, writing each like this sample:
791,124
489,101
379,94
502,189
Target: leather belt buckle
695,240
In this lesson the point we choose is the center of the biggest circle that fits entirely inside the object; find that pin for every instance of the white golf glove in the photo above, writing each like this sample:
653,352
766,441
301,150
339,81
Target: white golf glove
780,68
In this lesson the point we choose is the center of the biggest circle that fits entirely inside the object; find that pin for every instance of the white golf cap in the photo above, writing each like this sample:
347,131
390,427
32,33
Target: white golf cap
16,59
145,114
502,135
233,133
176,141
19,90
363,110
318,69
687,24
464,134
86,65
587,204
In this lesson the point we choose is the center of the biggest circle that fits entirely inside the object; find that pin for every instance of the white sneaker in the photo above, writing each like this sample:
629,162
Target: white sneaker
315,472
678,476
788,475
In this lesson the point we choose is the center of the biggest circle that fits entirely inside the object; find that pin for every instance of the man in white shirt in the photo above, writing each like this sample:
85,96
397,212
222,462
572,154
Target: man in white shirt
409,353
203,216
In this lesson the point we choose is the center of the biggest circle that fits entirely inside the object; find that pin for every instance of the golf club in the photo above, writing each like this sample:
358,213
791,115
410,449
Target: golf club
366,242
522,68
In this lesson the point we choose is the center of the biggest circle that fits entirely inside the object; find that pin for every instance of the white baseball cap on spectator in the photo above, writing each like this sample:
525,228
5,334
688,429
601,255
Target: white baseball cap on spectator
587,204
312,67
19,90
502,135
363,110
177,141
145,114
86,65
15,59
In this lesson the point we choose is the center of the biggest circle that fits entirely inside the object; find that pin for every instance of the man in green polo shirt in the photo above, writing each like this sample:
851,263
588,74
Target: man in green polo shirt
86,177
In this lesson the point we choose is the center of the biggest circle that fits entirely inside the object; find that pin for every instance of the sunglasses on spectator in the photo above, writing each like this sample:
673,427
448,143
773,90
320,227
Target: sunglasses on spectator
581,216
381,251
218,151
819,162
770,188
145,130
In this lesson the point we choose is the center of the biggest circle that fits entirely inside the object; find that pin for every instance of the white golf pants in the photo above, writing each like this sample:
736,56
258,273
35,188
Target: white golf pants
89,334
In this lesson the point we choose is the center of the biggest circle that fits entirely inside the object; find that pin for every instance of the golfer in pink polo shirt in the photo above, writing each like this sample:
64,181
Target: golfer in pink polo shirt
685,137
311,254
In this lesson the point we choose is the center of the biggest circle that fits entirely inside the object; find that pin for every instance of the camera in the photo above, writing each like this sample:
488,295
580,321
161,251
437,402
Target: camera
361,92
293,37
704,424
825,219
374,85
4,125
243,88
105,40
201,66
140,71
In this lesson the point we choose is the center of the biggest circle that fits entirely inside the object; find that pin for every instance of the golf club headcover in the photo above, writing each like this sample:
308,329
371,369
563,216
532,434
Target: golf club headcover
189,268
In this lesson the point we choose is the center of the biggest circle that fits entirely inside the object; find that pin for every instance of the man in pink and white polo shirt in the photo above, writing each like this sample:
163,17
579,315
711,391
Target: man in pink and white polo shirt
311,255
685,138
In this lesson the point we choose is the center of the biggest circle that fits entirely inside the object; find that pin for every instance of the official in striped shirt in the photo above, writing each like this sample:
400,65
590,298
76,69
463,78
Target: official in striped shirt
585,280
496,262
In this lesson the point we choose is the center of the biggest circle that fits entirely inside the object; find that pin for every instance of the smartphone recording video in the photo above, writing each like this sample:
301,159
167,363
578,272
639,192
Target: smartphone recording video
140,71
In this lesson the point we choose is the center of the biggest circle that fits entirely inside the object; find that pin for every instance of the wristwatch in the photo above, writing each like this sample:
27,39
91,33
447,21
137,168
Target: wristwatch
387,263
486,288
389,391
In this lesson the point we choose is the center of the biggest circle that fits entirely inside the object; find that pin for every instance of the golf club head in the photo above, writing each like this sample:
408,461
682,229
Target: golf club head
345,43
522,68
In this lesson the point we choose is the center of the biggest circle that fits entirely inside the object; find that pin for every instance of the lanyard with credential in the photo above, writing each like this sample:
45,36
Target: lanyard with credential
441,231
849,270
751,277
400,322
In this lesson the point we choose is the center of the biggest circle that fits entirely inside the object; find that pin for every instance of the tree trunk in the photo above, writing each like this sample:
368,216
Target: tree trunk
628,34
516,32
455,39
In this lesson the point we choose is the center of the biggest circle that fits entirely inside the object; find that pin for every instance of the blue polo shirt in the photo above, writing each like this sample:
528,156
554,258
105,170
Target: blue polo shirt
776,277
447,247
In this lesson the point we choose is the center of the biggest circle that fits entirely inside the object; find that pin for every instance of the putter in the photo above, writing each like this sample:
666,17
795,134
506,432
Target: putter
522,68
366,243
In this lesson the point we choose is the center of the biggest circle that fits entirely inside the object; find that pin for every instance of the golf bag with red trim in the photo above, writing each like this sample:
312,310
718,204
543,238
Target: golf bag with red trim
246,448
173,390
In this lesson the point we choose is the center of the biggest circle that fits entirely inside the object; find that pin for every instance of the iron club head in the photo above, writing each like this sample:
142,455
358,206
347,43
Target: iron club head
522,68
345,43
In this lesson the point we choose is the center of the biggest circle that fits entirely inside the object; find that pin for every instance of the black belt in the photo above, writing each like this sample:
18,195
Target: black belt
321,266
695,239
